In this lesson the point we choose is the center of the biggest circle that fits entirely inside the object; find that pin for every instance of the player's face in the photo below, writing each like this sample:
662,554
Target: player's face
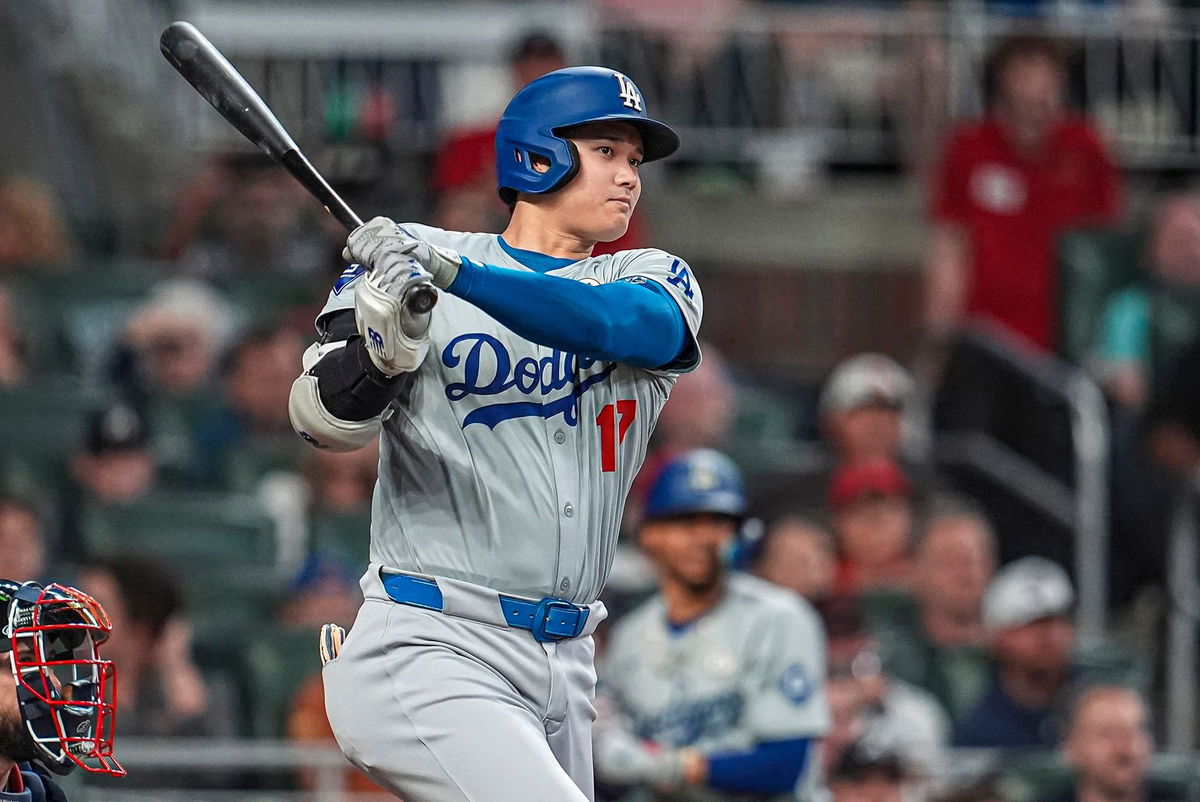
598,202
688,548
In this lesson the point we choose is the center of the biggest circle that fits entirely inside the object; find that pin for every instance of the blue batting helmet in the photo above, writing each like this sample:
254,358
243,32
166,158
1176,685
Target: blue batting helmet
699,481
533,121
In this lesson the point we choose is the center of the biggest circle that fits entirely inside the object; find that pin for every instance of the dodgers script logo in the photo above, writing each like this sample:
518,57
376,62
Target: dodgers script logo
488,369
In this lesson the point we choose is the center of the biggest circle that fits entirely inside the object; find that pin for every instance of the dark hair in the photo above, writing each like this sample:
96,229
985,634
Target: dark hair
149,587
1012,49
257,337
536,44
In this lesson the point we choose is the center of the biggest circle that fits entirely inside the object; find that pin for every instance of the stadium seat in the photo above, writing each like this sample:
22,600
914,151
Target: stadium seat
42,422
280,661
1092,265
347,534
191,530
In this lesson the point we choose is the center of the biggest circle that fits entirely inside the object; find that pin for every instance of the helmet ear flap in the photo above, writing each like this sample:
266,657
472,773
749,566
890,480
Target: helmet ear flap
524,158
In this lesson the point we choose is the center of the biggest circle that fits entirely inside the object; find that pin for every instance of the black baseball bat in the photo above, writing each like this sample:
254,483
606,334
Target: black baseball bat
218,82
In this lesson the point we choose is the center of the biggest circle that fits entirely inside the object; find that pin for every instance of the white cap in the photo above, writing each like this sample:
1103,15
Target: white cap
866,379
1025,591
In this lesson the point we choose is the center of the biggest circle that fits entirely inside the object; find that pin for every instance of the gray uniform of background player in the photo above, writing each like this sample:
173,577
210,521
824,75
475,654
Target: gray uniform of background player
750,670
491,474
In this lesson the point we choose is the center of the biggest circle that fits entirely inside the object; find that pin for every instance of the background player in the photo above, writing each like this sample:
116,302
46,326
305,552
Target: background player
513,420
51,639
714,688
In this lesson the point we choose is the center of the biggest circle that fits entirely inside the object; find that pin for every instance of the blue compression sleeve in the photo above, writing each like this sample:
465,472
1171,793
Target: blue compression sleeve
639,324
771,767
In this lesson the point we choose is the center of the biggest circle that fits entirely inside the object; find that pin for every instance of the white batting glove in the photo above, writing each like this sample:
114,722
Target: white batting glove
382,244
622,759
396,338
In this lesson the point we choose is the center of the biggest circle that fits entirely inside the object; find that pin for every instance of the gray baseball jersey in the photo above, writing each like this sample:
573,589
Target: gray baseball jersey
505,463
750,670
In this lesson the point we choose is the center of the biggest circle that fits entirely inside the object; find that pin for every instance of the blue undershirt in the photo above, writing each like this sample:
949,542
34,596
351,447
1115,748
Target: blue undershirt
639,324
771,767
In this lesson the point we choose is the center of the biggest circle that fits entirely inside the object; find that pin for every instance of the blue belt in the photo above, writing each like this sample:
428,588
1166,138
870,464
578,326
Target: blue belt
549,619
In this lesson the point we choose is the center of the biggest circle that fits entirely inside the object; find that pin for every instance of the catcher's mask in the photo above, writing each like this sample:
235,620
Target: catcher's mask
67,694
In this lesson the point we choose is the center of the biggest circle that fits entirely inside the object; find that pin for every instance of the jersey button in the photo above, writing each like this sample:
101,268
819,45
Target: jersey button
565,585
560,437
568,510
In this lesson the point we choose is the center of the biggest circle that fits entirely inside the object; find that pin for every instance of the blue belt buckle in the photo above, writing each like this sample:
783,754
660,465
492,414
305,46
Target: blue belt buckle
555,619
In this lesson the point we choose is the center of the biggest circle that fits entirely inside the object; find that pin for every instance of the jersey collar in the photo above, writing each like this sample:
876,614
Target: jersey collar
538,262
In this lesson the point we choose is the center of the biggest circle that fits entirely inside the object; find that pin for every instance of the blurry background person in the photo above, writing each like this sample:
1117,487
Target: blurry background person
162,690
797,554
1007,187
173,342
31,230
1026,611
254,216
869,704
14,358
1170,263
253,408
718,681
1108,745
114,463
868,771
872,510
862,409
22,540
935,638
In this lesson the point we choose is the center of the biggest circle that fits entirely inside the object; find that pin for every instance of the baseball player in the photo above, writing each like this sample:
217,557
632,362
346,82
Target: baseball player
512,419
714,688
56,703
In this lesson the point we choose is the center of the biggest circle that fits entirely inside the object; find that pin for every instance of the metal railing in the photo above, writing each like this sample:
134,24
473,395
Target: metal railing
779,87
1080,504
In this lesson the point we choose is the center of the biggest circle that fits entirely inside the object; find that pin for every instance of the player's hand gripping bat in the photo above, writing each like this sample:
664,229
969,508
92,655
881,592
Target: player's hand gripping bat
211,74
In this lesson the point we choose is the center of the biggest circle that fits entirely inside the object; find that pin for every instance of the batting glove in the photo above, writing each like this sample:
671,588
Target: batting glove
396,338
382,244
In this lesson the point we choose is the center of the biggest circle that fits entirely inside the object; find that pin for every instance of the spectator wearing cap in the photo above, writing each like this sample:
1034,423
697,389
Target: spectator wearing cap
866,702
872,511
935,637
1109,747
862,407
115,463
1026,612
868,772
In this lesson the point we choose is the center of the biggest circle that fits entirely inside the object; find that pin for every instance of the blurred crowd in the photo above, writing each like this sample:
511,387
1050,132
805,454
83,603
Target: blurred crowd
148,456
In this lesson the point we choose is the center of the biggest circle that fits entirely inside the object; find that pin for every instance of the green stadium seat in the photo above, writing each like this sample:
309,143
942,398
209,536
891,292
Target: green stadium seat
192,530
1093,264
43,422
347,534
280,660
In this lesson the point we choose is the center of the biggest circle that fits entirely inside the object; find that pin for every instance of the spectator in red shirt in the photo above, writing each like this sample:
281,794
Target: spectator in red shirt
1008,186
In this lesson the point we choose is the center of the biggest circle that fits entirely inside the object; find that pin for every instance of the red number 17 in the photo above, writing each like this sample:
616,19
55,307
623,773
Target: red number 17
614,420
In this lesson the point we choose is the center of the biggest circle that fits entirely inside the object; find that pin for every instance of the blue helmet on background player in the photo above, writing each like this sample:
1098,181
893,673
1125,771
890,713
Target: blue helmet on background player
534,121
698,482
704,482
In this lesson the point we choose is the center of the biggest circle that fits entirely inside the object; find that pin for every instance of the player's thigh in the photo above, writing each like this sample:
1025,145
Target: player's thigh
429,722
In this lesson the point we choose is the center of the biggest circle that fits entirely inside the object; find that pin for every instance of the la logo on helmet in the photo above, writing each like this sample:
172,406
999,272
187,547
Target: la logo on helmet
628,92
